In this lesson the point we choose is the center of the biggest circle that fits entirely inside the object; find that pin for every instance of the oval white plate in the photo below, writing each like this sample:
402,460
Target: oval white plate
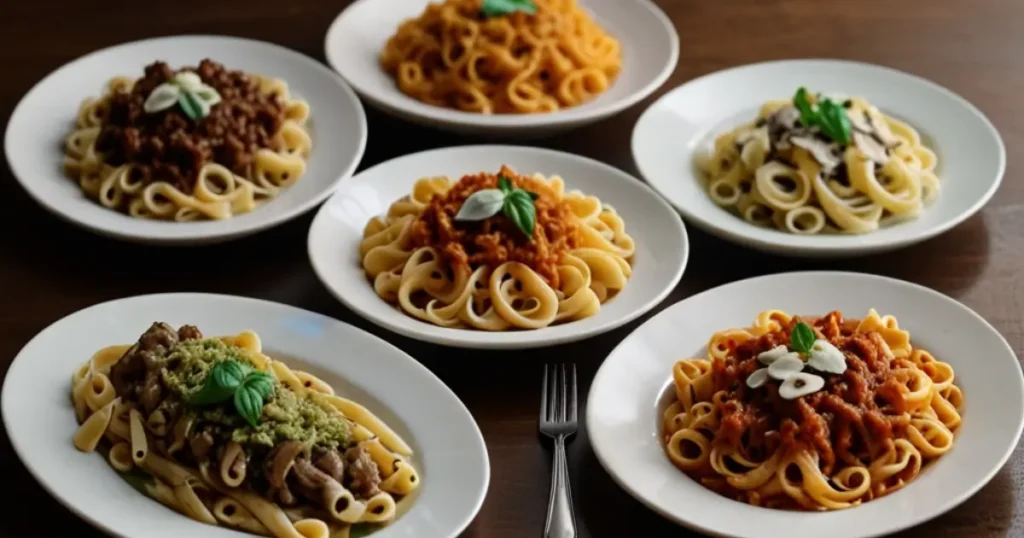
650,50
45,116
625,398
662,247
447,443
687,119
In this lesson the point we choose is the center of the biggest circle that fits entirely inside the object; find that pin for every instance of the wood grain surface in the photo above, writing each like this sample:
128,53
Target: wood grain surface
49,269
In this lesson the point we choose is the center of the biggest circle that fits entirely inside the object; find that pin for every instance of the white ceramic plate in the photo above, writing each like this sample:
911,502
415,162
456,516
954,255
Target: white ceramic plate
40,421
687,119
650,50
662,247
45,116
630,389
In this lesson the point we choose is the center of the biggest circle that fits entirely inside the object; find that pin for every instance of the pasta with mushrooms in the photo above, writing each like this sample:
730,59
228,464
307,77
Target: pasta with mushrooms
232,437
812,165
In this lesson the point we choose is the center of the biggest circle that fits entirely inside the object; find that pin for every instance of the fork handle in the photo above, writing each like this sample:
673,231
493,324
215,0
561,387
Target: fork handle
561,520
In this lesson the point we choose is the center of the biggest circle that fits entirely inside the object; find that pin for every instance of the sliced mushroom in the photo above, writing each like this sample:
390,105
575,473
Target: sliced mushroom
755,148
785,117
870,147
821,151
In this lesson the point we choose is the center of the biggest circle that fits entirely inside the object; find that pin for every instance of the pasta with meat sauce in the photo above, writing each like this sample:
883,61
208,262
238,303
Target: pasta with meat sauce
195,143
232,437
497,252
812,414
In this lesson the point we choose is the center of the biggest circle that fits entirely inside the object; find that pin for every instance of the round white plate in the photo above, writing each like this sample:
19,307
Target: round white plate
662,247
40,421
45,116
634,384
650,50
687,119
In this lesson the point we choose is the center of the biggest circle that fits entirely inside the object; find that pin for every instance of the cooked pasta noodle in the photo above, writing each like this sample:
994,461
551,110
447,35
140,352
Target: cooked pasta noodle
181,169
860,435
452,56
205,472
482,275
778,172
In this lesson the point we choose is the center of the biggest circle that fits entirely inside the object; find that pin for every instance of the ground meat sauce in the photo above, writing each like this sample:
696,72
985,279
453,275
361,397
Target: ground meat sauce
496,240
860,408
168,146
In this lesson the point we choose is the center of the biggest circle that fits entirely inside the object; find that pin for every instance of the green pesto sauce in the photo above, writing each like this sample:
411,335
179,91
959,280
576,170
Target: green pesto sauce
286,415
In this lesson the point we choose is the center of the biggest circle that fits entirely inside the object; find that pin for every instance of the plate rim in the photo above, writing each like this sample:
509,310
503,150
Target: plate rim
710,226
913,521
413,110
185,237
508,340
6,405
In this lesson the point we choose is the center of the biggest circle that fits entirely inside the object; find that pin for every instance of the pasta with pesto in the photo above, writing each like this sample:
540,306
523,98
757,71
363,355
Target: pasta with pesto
232,437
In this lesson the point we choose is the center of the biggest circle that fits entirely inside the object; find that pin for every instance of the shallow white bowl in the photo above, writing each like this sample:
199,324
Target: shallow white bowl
662,247
623,409
686,120
40,421
35,136
650,50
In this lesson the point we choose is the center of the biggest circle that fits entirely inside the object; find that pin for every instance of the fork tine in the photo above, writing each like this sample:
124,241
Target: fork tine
564,396
544,397
572,388
553,395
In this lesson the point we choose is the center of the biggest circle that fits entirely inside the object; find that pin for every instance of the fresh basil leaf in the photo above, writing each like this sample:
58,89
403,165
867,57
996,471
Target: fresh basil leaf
520,209
498,8
229,374
190,105
261,382
481,205
210,393
505,184
838,122
802,338
807,113
249,404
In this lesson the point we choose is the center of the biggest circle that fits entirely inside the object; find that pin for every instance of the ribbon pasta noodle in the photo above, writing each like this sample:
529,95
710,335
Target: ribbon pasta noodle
312,466
852,438
252,144
488,275
777,172
517,63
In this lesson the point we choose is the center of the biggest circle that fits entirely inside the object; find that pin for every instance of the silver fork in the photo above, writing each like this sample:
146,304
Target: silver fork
558,421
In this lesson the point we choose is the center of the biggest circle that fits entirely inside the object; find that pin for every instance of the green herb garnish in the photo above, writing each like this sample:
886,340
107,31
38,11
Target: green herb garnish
515,203
233,380
498,8
827,115
802,338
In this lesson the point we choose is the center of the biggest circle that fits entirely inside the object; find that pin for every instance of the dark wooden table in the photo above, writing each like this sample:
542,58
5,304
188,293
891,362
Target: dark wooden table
49,269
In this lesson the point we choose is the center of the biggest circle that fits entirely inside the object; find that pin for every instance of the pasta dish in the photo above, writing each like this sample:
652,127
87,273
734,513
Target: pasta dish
197,143
813,414
497,252
228,436
502,56
813,165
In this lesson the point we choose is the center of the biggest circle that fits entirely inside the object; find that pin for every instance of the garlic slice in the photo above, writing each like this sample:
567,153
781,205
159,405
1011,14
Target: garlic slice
772,355
758,378
800,384
826,357
786,367
162,97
